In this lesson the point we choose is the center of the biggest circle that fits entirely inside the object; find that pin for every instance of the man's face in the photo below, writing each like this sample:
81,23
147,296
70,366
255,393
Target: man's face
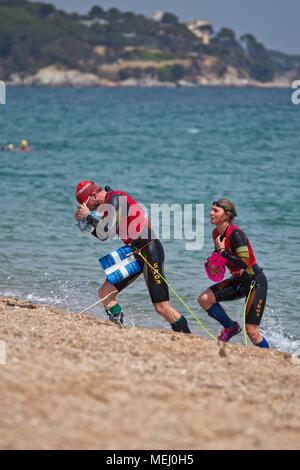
95,200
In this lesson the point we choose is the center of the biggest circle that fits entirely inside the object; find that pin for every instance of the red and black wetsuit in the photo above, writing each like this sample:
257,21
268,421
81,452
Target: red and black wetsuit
237,247
131,225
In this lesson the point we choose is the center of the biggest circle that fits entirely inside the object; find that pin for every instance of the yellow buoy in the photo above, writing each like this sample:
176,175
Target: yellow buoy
24,144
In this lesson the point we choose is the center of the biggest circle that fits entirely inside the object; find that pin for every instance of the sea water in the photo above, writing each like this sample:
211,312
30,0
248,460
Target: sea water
161,146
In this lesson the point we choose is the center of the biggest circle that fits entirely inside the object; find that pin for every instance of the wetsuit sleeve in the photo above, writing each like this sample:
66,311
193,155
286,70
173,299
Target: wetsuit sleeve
112,224
94,222
239,250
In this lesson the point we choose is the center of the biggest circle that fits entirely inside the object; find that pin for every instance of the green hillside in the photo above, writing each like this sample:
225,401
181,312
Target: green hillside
36,35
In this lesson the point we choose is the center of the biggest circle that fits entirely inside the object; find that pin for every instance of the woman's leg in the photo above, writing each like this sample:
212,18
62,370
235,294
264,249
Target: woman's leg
210,300
254,334
206,299
255,309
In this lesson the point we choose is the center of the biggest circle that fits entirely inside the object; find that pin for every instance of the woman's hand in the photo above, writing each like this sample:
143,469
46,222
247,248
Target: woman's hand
220,245
82,212
214,269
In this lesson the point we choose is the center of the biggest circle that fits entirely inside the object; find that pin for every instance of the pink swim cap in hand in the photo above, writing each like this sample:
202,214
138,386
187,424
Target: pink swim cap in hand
215,260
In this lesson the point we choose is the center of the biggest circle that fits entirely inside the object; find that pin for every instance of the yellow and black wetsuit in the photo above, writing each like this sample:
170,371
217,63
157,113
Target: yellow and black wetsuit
242,264
144,240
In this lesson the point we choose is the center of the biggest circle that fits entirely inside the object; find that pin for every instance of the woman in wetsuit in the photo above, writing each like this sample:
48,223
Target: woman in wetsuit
232,243
122,216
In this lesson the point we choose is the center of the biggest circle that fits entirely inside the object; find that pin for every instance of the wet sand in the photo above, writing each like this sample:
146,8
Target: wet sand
75,382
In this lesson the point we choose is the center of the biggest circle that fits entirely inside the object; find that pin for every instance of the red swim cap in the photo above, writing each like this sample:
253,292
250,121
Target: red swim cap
84,190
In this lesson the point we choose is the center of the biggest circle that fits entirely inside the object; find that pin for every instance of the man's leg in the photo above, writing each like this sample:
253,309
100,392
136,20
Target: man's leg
158,289
178,322
113,309
109,293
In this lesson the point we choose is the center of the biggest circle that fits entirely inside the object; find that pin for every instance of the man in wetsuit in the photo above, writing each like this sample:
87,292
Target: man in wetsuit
232,243
122,216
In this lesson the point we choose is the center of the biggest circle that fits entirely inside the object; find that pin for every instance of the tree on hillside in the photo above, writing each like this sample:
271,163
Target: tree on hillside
262,66
96,12
46,10
226,35
169,18
113,14
226,47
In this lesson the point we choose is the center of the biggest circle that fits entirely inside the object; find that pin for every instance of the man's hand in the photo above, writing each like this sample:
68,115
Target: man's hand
82,212
220,245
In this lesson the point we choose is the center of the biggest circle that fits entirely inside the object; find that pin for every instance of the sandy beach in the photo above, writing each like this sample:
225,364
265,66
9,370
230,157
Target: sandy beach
75,382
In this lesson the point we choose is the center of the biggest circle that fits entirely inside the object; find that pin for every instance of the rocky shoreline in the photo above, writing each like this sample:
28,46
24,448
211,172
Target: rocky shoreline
54,76
75,382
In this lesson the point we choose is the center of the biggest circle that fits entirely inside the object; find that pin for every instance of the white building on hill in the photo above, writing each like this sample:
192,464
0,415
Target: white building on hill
157,16
202,29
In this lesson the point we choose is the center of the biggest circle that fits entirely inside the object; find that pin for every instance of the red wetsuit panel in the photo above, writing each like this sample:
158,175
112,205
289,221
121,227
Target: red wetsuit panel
230,249
131,224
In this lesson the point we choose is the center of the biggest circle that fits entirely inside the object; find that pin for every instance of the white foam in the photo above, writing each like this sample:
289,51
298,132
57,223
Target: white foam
273,329
36,298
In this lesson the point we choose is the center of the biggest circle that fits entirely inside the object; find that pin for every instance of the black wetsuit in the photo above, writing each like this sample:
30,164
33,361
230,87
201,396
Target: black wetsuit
238,286
150,246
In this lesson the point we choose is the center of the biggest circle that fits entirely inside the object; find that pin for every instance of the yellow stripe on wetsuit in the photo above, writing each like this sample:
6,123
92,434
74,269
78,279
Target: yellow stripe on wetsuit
242,252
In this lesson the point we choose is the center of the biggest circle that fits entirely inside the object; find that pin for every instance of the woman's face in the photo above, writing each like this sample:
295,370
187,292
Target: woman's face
217,215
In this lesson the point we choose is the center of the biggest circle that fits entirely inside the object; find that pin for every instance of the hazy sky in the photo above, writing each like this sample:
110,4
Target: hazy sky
276,23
